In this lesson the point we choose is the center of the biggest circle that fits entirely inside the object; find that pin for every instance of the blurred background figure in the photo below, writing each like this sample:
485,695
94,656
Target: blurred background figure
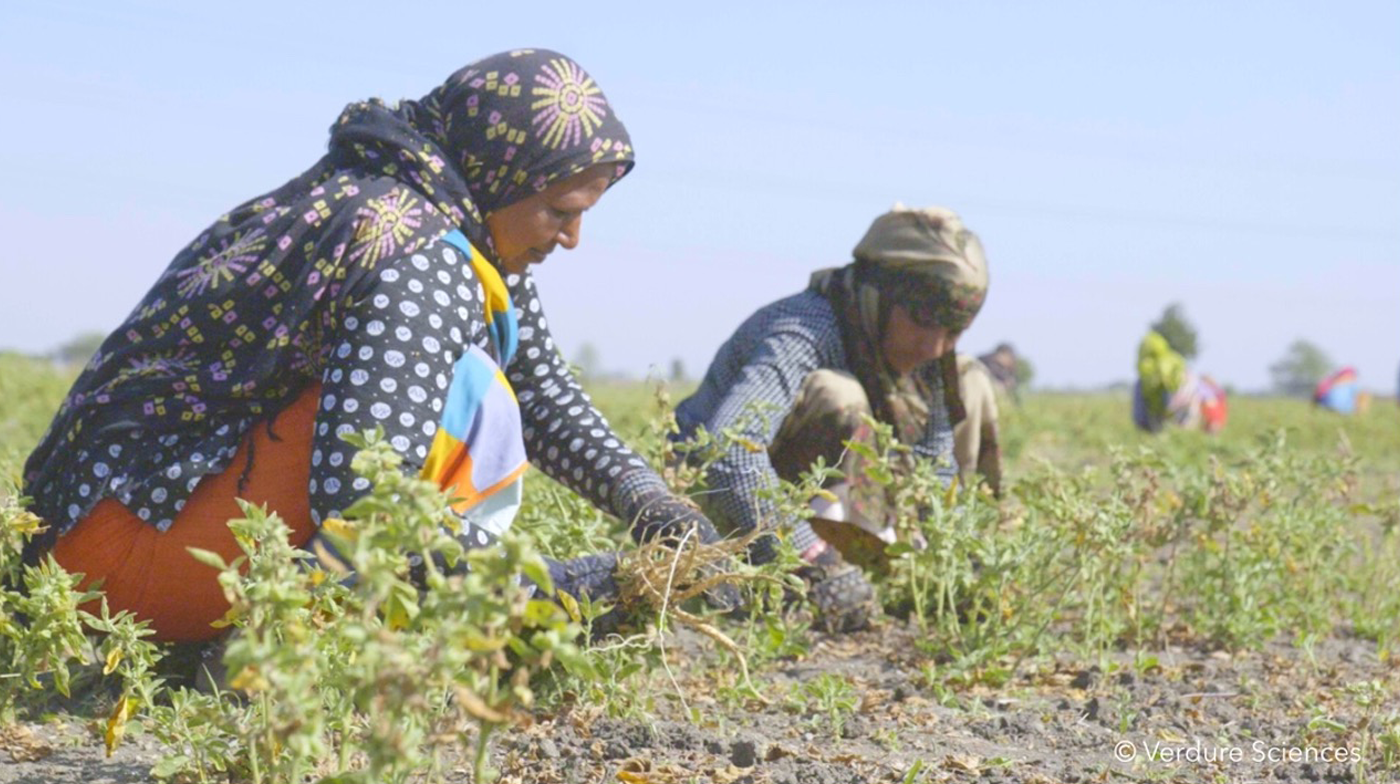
1340,392
975,442
1168,392
1003,365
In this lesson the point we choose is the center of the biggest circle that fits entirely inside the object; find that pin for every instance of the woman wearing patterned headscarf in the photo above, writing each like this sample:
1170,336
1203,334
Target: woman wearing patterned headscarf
386,286
874,337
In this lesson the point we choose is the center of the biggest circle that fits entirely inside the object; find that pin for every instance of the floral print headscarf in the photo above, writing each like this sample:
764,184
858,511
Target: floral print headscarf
495,132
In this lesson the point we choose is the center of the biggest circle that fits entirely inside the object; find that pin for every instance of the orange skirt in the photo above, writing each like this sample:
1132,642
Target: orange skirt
150,572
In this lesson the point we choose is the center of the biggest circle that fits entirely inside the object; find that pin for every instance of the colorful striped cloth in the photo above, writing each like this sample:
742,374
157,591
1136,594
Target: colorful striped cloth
478,451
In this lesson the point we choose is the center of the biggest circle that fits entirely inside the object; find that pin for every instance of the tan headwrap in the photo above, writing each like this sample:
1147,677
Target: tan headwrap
927,261
929,245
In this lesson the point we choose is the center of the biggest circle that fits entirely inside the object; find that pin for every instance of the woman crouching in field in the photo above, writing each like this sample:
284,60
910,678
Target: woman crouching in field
872,338
385,287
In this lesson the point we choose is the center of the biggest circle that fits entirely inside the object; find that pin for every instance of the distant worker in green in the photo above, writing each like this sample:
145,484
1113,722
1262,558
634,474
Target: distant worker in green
1168,392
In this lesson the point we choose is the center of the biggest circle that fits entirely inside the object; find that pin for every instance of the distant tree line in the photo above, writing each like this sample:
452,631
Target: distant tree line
1298,372
1295,374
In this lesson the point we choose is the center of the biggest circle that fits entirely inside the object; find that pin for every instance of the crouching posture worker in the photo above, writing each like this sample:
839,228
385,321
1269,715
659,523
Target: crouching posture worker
873,338
385,287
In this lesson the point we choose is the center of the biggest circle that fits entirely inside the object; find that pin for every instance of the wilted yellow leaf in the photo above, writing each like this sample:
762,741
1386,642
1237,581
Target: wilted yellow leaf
749,444
114,657
476,641
570,606
950,497
472,703
27,523
249,680
229,618
339,527
730,774
401,606
116,724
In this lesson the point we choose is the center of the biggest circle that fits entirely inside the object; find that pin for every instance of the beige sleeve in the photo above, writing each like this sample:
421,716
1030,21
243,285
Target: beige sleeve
975,438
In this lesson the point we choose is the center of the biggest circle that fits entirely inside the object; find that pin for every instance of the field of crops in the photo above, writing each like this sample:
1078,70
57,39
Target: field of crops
1139,608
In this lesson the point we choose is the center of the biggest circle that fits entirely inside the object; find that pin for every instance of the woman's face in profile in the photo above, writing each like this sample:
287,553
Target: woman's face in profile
529,230
907,344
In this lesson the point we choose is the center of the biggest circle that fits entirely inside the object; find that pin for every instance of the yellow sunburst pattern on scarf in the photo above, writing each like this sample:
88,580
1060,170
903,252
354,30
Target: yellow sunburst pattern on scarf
569,105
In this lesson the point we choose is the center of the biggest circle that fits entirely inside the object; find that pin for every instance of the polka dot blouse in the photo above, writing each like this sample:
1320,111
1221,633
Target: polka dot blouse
385,360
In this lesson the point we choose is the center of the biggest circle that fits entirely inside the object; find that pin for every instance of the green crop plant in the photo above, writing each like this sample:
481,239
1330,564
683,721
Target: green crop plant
829,696
1377,734
1109,546
42,637
344,664
125,652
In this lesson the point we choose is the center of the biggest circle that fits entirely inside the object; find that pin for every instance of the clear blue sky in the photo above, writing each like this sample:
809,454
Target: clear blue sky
1242,158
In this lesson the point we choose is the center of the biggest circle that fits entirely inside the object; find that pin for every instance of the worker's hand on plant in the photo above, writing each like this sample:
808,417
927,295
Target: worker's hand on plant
673,520
591,575
844,598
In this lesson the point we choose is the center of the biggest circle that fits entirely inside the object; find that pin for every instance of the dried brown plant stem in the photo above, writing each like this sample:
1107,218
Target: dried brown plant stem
664,575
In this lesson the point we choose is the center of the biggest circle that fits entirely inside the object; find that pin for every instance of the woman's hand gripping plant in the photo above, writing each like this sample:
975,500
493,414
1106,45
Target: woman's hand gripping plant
663,577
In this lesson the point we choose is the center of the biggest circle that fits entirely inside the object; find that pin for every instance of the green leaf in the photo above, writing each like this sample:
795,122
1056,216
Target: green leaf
538,573
863,449
880,474
401,606
171,766
540,613
477,641
342,778
208,558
